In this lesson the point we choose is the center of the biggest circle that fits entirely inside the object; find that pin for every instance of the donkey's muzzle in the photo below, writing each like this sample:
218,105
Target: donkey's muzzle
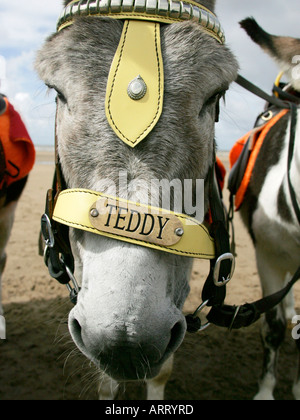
124,352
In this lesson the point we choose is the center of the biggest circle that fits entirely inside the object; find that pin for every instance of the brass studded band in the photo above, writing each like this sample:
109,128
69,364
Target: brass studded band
158,10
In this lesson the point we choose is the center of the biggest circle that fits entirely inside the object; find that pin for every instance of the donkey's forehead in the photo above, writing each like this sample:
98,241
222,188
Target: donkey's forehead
87,48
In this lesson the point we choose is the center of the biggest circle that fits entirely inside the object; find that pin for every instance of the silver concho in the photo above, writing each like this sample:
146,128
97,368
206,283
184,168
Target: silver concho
137,88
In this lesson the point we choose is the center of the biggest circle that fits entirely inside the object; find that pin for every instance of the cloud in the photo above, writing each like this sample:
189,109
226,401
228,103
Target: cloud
26,23
242,107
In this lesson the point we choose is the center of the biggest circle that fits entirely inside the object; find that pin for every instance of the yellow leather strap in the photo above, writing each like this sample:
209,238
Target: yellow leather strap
138,55
75,206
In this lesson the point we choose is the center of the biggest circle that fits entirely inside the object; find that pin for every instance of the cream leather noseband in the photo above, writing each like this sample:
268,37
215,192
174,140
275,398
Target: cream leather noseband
125,220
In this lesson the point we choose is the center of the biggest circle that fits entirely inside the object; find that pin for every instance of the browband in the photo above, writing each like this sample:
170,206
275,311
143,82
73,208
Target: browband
164,11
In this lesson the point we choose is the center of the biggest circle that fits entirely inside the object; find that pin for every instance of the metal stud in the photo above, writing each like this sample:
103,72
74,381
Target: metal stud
204,18
179,232
162,7
196,14
94,213
139,6
127,6
186,11
115,6
151,6
104,6
137,88
93,7
173,9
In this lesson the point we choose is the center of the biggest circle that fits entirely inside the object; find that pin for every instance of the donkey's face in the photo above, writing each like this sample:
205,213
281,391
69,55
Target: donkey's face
128,317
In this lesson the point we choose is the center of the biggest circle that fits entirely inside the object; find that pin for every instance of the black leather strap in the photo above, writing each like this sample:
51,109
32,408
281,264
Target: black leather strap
234,317
216,294
259,92
290,157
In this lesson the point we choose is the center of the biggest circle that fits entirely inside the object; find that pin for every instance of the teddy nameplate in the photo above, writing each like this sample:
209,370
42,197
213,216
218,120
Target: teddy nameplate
136,221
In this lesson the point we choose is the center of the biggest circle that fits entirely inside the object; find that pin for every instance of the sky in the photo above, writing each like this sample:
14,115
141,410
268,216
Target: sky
25,24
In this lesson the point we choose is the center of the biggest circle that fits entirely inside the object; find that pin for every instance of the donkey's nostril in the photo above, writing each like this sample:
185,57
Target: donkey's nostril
76,326
177,335
75,330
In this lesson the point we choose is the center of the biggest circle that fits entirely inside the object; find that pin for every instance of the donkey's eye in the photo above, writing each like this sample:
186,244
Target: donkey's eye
59,95
214,100
216,97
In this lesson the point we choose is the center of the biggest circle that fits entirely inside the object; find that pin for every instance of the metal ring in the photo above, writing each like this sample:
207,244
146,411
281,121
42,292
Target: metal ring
197,311
267,116
223,257
72,279
48,232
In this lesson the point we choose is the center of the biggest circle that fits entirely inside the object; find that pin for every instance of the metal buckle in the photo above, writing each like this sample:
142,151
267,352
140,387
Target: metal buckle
47,231
227,256
72,279
74,291
49,239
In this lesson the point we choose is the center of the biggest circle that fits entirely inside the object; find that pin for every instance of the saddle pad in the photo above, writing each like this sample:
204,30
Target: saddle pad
17,147
253,141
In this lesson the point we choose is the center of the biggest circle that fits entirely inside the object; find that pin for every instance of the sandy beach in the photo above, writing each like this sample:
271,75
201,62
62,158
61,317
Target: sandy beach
39,361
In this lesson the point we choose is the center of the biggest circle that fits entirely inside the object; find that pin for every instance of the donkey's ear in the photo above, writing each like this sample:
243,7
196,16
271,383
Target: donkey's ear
283,49
259,36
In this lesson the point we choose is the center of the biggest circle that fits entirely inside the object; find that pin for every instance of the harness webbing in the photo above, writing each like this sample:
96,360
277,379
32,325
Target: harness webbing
290,157
259,92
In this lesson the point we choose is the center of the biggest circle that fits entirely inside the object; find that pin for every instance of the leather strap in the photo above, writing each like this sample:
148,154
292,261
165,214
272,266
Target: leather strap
235,317
216,294
73,207
138,56
259,92
294,114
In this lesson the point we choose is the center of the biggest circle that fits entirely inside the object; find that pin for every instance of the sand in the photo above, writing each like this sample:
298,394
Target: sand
38,360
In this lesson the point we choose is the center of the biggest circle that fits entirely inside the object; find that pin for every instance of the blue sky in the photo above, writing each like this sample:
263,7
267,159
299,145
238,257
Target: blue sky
25,24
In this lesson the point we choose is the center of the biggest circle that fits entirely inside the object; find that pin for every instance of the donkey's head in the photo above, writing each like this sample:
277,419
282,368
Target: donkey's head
285,50
128,316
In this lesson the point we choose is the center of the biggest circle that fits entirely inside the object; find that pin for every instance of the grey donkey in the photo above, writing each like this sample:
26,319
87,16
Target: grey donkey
268,210
128,319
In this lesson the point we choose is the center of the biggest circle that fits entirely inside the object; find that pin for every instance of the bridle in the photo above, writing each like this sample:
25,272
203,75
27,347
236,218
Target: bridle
214,244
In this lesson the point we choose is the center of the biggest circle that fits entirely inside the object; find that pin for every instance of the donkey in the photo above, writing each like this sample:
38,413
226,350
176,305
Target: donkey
8,204
128,318
268,211
17,155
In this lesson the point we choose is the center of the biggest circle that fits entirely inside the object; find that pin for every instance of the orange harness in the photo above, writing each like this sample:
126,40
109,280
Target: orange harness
18,152
256,136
